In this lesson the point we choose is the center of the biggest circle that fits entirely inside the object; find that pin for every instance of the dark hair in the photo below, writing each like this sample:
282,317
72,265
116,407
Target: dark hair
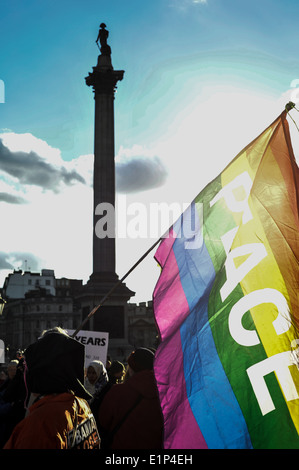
116,367
141,359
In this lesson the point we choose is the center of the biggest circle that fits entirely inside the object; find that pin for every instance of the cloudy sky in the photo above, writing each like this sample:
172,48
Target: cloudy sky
202,79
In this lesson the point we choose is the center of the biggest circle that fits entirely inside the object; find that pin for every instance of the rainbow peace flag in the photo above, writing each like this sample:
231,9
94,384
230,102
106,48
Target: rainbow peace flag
227,306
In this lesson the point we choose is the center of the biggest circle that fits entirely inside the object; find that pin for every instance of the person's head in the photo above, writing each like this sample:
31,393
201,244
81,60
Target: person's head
12,368
19,354
91,374
140,359
116,372
94,371
55,364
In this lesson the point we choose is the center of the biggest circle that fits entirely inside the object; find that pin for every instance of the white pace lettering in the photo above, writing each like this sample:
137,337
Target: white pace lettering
256,252
249,337
228,238
279,364
229,192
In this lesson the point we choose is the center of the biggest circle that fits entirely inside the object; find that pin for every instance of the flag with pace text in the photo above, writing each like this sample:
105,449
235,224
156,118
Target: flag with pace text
226,305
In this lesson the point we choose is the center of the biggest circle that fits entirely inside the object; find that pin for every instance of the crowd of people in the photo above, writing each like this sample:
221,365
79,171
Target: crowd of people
48,400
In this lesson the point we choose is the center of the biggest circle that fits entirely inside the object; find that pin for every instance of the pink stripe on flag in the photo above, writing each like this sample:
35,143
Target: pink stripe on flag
171,309
172,389
170,304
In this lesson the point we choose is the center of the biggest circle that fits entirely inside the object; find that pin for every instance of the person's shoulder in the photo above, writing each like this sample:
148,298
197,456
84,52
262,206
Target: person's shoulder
115,389
46,404
115,392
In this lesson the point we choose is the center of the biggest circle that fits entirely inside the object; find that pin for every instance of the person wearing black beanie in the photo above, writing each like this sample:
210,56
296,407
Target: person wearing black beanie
141,359
60,417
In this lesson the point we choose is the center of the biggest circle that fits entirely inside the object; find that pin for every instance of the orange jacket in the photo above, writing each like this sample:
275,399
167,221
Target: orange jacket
50,425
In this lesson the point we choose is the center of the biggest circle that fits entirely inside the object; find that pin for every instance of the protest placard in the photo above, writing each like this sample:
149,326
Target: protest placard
96,345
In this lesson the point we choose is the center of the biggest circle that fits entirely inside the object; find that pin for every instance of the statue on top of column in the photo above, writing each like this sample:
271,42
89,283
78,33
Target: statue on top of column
102,37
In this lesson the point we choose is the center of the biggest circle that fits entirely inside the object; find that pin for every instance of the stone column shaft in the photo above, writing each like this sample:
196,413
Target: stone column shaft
104,178
103,79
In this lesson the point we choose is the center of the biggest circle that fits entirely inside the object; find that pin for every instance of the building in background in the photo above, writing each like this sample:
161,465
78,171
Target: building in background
38,301
18,283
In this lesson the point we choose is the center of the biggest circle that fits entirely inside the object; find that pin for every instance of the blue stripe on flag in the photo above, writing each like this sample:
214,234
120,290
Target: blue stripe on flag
211,398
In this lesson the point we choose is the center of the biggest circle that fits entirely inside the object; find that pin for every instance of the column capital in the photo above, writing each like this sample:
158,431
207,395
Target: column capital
104,79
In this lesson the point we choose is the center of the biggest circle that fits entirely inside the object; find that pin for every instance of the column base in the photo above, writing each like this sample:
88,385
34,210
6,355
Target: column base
100,284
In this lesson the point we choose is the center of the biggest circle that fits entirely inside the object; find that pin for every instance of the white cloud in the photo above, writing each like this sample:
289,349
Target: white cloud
184,4
20,260
54,226
30,161
29,143
9,194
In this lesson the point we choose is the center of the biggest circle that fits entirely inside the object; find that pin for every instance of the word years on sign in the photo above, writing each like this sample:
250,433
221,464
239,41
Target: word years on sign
91,340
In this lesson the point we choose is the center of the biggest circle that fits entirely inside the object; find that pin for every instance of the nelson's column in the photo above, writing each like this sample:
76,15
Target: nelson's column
111,316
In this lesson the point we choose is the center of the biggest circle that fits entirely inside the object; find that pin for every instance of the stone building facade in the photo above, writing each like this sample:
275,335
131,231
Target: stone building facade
39,306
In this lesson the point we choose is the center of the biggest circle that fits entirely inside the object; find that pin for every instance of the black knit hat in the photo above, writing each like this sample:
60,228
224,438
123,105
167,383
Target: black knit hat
55,364
141,359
